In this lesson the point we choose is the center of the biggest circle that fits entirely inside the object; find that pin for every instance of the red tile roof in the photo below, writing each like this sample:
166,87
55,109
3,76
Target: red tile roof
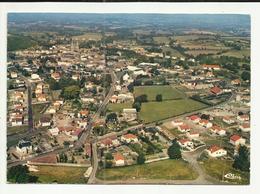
215,90
235,137
129,136
118,156
214,148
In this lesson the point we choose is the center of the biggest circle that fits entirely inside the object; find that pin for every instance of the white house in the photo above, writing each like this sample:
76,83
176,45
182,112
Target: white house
45,122
193,135
243,118
119,159
237,140
194,118
184,128
228,120
129,114
205,123
186,143
129,138
177,122
218,130
215,151
24,147
245,127
54,131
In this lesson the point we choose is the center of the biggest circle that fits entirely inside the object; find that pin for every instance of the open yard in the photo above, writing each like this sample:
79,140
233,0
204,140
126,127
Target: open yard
117,107
89,36
217,168
166,170
17,129
59,174
37,108
155,111
167,92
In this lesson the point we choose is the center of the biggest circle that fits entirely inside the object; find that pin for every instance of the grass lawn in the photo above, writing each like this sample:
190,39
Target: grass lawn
37,108
216,168
175,132
56,94
238,53
16,129
119,106
60,174
155,111
165,169
167,92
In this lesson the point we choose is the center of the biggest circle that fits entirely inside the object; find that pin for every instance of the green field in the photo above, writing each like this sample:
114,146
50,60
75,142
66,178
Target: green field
117,107
167,92
165,170
161,39
62,175
89,36
237,53
17,129
155,111
19,42
37,108
216,168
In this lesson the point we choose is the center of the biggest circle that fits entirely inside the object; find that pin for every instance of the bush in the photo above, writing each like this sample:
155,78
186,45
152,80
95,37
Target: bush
174,151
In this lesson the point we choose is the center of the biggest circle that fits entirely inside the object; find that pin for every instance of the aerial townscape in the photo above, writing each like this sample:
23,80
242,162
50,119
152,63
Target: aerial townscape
128,98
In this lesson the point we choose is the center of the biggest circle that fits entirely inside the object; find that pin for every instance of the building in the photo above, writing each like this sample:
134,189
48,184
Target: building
45,122
245,127
177,122
129,138
184,128
119,159
216,90
54,131
243,118
24,147
205,123
186,143
228,120
218,130
216,151
129,114
237,140
194,118
211,67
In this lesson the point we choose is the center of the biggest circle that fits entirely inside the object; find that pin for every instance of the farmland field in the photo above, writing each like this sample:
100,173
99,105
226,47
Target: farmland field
238,53
167,92
155,111
216,168
89,36
161,39
62,175
19,42
165,170
117,107
17,129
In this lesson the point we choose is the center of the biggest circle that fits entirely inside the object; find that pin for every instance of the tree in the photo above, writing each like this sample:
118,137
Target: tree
150,150
108,156
242,161
140,158
137,106
245,75
70,92
20,174
158,97
174,151
112,117
141,99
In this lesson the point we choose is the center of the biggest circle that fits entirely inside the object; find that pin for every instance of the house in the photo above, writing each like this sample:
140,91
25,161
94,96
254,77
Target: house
211,67
129,138
218,130
56,76
177,122
113,99
42,98
35,77
243,118
205,123
119,159
216,151
193,135
228,120
129,114
106,143
17,121
216,90
54,131
24,147
237,140
194,118
186,143
245,127
236,82
125,77
75,135
45,121
13,74
184,128
83,113
82,123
